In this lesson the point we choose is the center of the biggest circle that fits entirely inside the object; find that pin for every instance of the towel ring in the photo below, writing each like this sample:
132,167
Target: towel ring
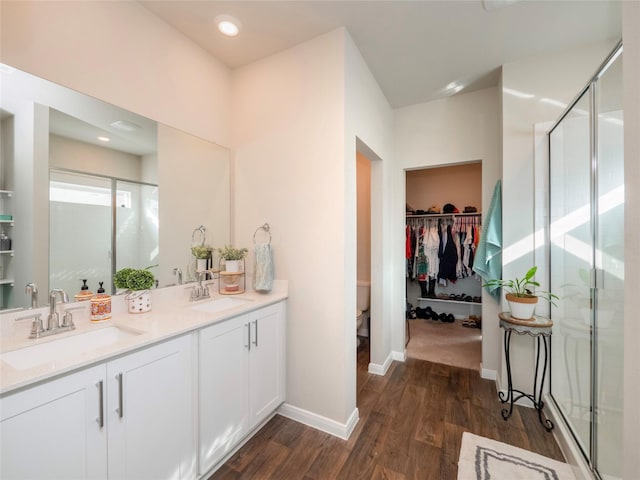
264,227
201,232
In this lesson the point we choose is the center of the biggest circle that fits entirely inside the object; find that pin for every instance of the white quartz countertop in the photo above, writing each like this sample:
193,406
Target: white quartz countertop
172,315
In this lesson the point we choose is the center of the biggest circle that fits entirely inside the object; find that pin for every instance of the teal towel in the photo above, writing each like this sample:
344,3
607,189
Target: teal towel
263,268
488,259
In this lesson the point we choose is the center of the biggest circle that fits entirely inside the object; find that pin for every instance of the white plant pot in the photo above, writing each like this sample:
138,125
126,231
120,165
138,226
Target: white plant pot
139,301
232,265
201,264
522,308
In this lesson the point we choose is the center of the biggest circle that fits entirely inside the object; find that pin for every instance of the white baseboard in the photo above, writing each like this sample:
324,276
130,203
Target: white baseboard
378,369
565,440
324,424
399,356
488,374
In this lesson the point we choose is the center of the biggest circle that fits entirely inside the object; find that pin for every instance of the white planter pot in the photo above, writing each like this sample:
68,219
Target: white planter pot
201,264
232,265
522,308
139,301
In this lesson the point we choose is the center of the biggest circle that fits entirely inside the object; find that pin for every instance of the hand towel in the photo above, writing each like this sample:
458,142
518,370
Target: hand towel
488,259
263,268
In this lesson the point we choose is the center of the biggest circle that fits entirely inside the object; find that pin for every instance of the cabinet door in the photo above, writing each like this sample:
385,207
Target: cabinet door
55,430
150,412
223,389
267,362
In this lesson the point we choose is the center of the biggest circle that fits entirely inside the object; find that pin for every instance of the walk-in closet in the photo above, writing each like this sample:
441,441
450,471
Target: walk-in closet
442,230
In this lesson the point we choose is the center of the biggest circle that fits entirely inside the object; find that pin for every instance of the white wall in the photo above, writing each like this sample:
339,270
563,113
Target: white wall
444,132
631,86
535,90
295,123
288,140
121,53
369,130
85,157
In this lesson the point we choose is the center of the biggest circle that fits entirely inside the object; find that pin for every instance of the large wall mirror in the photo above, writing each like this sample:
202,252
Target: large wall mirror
87,188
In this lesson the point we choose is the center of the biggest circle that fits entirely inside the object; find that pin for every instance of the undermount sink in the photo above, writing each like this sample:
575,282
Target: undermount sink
66,347
219,305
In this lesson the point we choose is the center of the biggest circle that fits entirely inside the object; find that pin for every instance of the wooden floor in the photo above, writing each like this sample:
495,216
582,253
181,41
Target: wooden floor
411,424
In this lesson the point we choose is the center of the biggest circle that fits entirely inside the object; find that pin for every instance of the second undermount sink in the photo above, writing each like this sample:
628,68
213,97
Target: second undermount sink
219,305
67,347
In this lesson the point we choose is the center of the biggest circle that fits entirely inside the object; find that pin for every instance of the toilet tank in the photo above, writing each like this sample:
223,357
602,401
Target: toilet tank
362,300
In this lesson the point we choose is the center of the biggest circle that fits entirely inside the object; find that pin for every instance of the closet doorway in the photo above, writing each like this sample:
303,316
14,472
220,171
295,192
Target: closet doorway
443,295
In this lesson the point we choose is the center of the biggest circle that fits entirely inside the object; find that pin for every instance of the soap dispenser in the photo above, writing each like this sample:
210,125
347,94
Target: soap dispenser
100,305
84,293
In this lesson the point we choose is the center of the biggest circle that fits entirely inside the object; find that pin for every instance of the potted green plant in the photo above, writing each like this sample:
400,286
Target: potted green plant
202,254
232,257
137,282
522,294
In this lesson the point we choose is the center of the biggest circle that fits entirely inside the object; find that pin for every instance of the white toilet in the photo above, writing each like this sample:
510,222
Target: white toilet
362,305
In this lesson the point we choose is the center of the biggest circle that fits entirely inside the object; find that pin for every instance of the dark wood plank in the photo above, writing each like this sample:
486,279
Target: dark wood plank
410,428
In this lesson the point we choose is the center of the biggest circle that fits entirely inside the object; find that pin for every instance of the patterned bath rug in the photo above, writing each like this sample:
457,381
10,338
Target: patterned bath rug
483,459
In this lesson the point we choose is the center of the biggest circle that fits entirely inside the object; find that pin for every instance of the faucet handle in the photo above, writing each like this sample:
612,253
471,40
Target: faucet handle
36,326
195,293
67,318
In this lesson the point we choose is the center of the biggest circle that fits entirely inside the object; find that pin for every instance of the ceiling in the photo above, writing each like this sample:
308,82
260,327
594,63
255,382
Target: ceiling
415,49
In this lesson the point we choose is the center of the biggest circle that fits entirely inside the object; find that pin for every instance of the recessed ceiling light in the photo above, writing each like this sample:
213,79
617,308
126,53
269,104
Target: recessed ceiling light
104,139
228,25
453,88
125,126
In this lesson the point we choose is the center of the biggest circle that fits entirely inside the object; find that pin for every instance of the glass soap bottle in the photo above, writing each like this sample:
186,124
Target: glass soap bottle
100,305
84,293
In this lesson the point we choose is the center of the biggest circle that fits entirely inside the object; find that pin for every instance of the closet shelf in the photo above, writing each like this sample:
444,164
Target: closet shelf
445,215
446,300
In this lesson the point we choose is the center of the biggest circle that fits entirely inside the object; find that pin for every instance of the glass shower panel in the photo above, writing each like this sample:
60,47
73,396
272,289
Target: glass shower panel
571,262
137,241
609,263
79,231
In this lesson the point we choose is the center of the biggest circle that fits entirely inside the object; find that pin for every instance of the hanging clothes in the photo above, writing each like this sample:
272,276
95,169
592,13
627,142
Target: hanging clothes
431,251
448,256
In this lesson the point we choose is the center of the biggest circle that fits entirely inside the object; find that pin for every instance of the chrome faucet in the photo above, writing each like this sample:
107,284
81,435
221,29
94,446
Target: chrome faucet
32,289
201,291
178,271
53,320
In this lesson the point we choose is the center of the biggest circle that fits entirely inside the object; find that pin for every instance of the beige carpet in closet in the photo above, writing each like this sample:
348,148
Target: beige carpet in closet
448,343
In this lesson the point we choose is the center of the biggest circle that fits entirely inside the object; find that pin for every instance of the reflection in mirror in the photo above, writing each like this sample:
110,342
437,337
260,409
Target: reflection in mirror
84,206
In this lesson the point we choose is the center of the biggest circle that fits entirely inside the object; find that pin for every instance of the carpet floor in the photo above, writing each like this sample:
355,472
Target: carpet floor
446,343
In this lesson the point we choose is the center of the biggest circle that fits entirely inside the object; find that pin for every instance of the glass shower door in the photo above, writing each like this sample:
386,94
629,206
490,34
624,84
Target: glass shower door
137,232
79,231
571,246
609,279
586,202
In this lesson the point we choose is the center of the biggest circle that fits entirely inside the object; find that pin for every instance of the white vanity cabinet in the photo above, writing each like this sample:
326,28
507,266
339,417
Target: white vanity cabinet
150,413
53,430
241,379
130,418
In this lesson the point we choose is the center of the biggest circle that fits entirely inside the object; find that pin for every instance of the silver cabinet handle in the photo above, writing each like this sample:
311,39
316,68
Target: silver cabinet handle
120,409
248,345
255,342
100,418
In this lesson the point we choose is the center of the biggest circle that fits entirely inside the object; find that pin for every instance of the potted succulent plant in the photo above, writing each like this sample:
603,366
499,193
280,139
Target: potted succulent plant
522,295
137,282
